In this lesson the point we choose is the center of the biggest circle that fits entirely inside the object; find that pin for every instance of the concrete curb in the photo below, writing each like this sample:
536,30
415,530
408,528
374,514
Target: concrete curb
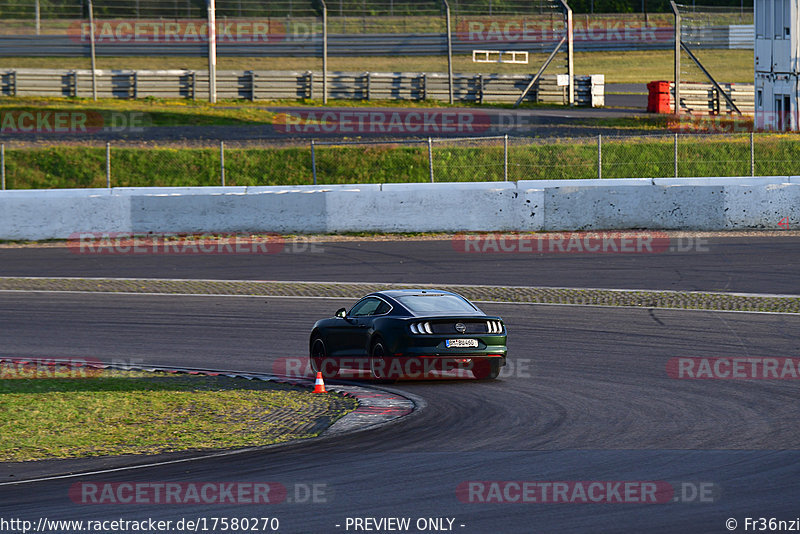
666,299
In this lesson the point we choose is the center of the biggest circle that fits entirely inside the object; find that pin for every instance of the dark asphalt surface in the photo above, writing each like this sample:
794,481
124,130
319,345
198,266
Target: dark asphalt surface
374,123
626,95
588,399
734,264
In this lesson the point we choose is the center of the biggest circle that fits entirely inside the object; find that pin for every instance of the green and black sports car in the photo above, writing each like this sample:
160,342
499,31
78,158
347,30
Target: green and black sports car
409,333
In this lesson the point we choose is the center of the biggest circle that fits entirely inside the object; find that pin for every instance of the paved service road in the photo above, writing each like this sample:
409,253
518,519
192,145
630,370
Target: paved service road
297,125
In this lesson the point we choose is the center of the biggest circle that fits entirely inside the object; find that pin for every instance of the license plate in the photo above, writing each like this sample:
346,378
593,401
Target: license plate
458,343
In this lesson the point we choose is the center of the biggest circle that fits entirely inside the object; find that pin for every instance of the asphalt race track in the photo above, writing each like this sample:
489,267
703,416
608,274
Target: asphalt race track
738,264
587,396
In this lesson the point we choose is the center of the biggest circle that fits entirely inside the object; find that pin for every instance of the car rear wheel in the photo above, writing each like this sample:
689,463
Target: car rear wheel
379,363
485,369
320,362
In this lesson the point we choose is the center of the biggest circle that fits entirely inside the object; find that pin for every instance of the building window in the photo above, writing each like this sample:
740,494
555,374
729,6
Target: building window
787,19
777,11
761,18
760,99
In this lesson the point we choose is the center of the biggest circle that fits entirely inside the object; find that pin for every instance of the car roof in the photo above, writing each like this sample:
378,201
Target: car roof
402,292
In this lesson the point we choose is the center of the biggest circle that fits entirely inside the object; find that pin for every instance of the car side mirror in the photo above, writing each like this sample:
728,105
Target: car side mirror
341,313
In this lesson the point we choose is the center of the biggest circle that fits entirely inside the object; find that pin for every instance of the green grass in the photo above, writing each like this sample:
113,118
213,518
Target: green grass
145,414
618,67
651,157
150,111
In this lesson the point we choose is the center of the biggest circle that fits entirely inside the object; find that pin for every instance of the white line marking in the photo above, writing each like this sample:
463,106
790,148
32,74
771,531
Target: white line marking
303,297
141,466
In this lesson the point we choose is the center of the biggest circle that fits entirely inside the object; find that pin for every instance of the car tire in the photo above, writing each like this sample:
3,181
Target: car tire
320,362
377,352
485,369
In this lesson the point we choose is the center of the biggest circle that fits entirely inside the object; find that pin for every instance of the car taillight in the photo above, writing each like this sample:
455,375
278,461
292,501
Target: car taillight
494,327
421,328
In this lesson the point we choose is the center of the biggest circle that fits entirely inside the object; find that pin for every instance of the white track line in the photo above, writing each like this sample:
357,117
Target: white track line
351,299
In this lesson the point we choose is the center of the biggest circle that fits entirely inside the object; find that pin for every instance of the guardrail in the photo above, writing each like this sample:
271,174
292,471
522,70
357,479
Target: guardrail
705,99
274,85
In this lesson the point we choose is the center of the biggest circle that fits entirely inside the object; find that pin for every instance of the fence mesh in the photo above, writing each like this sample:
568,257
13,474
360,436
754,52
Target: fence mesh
401,161
375,35
556,158
716,36
468,159
385,162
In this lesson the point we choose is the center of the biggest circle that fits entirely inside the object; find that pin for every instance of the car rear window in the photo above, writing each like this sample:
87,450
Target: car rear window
436,303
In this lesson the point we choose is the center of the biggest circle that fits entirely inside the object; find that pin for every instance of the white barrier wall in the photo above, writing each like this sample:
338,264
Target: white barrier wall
561,205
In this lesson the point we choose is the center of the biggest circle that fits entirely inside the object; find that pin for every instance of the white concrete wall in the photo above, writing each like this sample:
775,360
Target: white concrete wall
682,203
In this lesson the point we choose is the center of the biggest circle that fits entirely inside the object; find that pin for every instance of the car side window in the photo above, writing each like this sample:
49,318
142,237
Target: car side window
365,307
382,309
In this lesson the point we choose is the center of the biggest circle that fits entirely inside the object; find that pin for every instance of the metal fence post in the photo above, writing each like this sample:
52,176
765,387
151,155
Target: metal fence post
3,164
676,155
92,51
430,157
324,53
676,58
313,162
222,162
212,51
108,165
600,156
752,155
449,53
505,157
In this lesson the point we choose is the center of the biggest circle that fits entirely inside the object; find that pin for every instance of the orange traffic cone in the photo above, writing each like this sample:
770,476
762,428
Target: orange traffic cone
319,385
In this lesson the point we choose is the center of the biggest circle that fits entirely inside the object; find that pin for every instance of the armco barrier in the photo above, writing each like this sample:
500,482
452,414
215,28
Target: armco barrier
567,205
272,85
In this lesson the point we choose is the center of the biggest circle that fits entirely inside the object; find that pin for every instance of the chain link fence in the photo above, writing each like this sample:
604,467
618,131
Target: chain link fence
531,158
400,161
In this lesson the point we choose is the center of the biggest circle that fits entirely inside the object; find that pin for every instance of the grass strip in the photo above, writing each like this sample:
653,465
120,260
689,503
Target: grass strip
528,159
686,300
114,413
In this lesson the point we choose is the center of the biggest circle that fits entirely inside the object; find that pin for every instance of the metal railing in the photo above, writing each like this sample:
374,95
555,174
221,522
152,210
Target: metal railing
277,85
497,158
494,158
